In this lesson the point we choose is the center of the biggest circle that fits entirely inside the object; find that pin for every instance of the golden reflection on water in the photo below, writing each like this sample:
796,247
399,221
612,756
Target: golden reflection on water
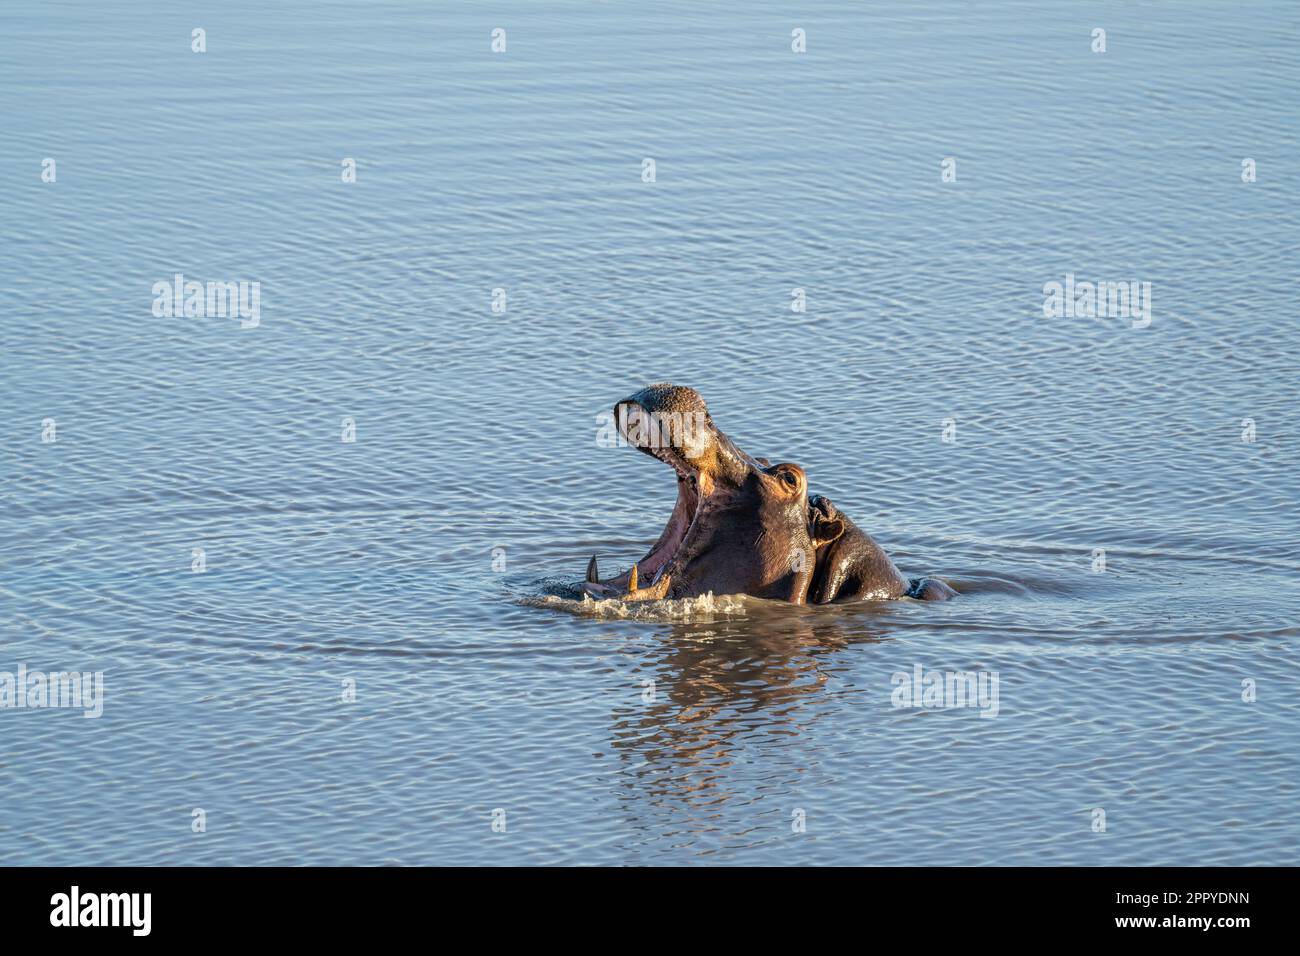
718,686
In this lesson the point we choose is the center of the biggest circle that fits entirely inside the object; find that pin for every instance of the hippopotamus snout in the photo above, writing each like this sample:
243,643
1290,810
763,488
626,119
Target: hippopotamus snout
672,423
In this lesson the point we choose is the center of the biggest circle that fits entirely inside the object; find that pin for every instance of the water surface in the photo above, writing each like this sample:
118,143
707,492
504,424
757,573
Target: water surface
411,563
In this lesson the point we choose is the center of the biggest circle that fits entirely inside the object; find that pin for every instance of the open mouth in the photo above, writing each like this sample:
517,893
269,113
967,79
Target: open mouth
650,576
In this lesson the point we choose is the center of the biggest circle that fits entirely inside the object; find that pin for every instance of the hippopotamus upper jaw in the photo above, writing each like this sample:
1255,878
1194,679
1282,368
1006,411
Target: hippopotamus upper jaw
672,423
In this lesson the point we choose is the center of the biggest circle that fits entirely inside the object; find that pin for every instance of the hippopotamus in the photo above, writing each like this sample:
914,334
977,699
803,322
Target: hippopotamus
742,525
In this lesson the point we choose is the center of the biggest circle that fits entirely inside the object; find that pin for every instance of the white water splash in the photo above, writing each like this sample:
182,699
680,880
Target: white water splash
702,608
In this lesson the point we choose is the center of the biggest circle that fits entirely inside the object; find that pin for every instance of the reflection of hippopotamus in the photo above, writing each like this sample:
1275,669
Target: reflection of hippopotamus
742,525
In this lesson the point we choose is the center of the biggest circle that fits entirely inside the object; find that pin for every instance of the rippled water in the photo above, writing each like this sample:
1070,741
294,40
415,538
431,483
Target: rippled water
678,734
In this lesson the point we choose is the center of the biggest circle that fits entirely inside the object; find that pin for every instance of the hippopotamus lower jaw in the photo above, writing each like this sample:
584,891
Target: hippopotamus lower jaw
649,579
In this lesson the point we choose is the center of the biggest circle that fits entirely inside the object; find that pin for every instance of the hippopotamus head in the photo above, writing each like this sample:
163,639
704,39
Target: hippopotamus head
740,524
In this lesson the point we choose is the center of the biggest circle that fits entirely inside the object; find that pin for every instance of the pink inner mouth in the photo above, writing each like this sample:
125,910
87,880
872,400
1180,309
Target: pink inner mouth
660,556
679,523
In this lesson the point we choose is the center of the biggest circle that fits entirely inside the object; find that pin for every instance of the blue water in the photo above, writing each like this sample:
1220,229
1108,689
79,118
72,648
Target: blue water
414,563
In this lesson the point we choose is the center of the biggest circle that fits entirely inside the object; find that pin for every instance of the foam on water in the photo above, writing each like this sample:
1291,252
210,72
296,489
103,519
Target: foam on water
705,607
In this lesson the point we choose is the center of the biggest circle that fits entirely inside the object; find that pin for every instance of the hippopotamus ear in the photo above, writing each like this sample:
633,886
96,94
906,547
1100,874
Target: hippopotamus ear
823,531
824,521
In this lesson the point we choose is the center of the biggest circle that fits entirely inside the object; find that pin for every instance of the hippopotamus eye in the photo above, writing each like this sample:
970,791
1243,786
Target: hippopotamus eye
789,475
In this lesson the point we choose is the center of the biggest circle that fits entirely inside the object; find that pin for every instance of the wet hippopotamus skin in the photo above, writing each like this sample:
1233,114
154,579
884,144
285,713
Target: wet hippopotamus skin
742,525
852,567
